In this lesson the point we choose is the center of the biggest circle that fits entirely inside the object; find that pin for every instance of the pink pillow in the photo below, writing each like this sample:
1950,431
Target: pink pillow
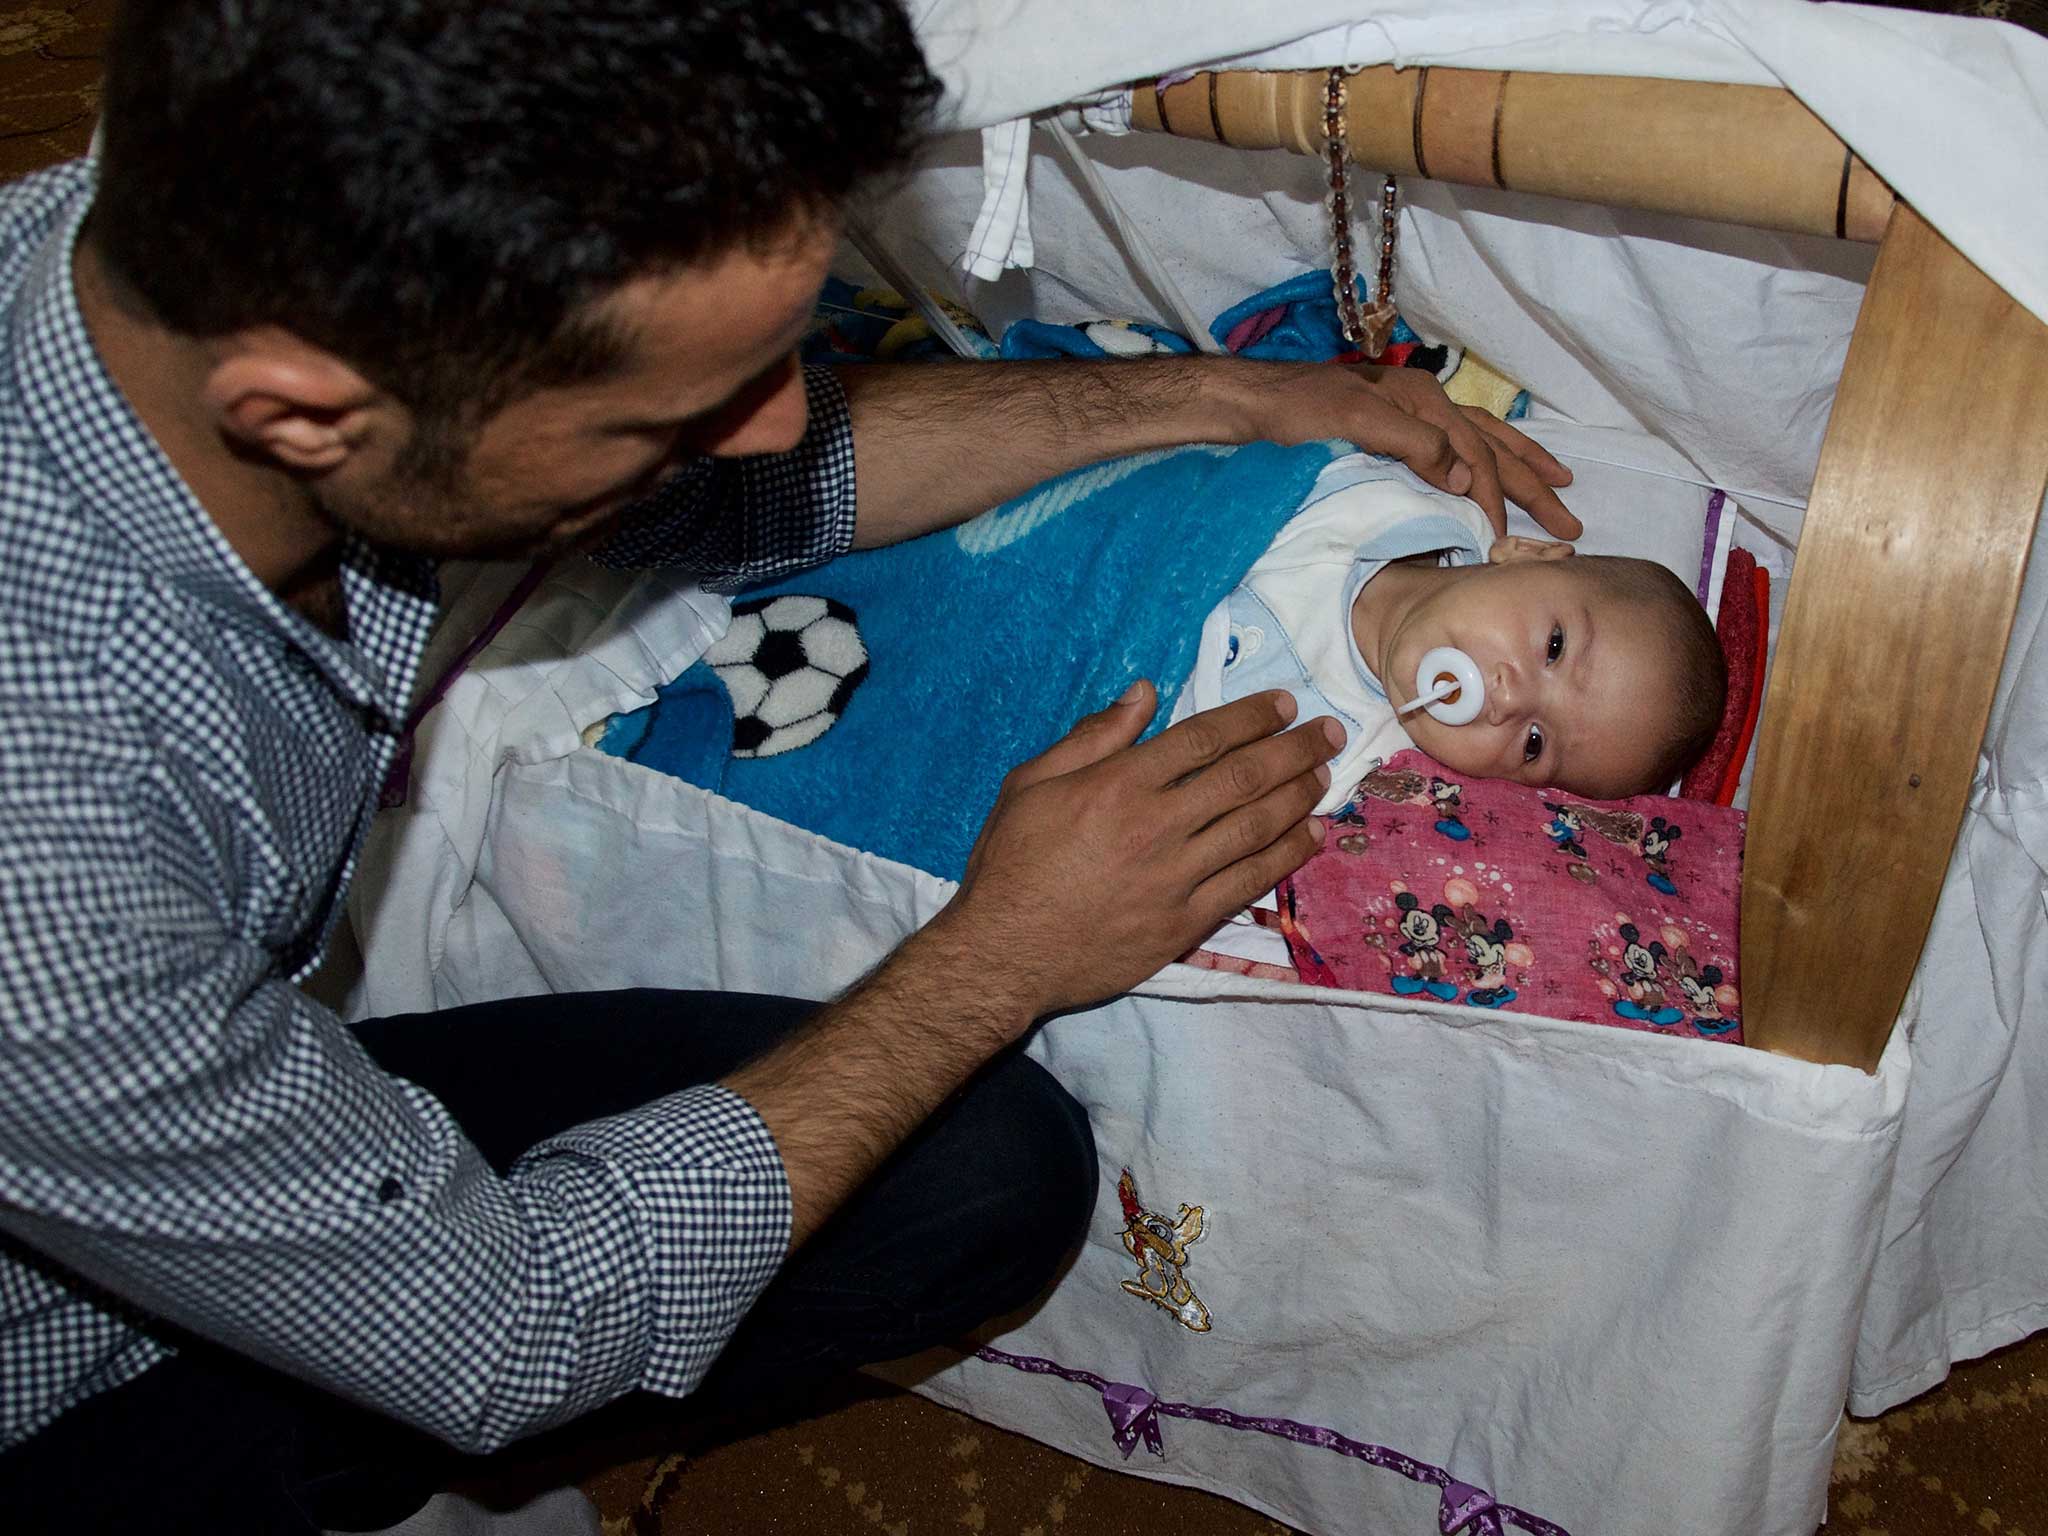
1497,895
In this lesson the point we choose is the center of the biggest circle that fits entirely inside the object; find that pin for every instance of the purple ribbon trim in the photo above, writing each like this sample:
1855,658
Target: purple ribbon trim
398,778
1715,503
1134,1414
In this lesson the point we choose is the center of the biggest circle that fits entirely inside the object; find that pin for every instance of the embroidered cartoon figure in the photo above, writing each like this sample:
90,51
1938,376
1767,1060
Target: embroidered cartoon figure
1486,948
1402,786
1703,991
1642,979
1448,799
1421,942
1656,849
1161,1249
1396,786
1568,822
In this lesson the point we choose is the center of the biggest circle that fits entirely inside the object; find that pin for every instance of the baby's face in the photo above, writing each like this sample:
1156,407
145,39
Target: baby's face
1574,678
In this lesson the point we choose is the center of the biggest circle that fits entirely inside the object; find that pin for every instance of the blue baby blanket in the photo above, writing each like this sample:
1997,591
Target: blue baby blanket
977,648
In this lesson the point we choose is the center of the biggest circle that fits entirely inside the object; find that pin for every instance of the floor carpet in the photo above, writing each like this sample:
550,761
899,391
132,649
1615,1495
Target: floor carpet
1968,1459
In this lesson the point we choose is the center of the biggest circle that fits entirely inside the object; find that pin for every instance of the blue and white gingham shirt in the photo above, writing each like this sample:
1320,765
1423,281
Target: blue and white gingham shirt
187,768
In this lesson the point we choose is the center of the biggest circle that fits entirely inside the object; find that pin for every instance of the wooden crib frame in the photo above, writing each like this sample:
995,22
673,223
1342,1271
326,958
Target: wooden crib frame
1917,528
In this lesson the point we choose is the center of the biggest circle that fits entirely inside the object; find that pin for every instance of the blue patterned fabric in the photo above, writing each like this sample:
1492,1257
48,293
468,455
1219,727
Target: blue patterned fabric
987,641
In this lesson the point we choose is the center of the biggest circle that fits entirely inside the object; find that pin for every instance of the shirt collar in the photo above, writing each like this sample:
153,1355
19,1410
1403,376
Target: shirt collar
124,481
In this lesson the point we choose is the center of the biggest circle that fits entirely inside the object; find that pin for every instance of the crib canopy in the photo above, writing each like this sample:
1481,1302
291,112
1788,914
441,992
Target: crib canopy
1952,113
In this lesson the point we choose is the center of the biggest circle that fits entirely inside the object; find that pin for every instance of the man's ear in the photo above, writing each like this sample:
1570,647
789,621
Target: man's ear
276,395
1514,548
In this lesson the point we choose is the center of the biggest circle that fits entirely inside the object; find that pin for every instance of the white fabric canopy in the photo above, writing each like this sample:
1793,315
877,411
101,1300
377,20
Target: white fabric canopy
1952,112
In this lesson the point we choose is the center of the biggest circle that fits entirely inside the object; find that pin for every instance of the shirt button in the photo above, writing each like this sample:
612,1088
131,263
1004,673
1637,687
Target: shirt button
390,1190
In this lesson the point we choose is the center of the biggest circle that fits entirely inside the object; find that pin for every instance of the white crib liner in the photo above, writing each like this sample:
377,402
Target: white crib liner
1614,1279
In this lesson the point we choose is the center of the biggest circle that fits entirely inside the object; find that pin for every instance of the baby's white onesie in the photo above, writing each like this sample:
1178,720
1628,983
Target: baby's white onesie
1288,624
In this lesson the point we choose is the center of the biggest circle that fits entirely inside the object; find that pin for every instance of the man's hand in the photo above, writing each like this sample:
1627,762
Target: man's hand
1405,412
1102,860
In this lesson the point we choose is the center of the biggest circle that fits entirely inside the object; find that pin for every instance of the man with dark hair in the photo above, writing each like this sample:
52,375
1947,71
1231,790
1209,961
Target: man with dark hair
355,287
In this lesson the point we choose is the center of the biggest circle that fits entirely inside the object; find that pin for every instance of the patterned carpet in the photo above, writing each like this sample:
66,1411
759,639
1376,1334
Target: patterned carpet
1970,1457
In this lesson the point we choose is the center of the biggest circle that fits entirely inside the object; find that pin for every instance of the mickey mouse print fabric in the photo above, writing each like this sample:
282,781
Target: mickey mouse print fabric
1499,895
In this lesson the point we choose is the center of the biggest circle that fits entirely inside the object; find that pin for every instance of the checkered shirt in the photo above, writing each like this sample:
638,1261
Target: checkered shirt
800,506
187,1143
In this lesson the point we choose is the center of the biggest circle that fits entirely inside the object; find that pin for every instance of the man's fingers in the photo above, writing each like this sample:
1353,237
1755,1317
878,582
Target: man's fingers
1512,444
1472,446
1426,449
1254,771
1202,739
1541,503
1246,830
1093,738
1239,885
1527,473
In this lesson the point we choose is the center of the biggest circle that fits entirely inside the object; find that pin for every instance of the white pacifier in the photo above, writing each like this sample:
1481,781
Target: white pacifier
1448,684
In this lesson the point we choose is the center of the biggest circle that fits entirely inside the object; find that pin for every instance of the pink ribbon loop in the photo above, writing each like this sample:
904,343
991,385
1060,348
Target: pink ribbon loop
1133,1413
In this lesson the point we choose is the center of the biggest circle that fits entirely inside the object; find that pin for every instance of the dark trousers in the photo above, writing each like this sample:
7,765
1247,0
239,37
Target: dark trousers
971,1218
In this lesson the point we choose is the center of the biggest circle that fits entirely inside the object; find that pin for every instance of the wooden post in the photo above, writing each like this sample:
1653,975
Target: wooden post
1745,154
1902,597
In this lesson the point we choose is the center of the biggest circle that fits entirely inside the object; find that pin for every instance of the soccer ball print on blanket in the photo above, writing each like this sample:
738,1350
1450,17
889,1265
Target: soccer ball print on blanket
791,665
1501,895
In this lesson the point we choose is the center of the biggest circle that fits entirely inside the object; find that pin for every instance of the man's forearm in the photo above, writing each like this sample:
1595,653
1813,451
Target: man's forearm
935,444
867,1070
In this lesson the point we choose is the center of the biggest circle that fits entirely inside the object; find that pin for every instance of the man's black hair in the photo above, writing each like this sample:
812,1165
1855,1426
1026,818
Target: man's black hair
430,189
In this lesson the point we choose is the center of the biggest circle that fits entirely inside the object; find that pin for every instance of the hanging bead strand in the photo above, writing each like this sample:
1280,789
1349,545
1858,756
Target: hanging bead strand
1337,148
1366,331
1379,320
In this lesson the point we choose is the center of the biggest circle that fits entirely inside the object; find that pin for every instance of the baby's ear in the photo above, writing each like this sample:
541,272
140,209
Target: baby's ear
1509,550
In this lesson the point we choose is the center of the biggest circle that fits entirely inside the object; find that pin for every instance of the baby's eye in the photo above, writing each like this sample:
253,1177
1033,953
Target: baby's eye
1556,647
1532,745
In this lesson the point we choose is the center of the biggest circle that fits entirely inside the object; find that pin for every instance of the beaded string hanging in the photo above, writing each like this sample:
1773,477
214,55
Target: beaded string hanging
1366,330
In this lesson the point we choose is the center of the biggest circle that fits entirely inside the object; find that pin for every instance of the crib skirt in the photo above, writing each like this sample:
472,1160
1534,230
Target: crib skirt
1610,1280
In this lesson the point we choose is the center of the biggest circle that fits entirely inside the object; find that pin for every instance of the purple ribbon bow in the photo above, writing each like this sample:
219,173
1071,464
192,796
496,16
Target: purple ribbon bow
1469,1510
1133,1412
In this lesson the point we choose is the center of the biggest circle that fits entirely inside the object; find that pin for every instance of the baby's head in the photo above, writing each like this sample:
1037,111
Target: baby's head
1603,676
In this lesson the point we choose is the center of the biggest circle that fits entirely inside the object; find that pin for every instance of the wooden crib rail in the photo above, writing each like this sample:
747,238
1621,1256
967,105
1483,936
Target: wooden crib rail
1743,154
1903,590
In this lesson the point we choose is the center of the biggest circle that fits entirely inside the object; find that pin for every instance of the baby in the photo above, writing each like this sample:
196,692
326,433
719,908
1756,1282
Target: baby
1602,675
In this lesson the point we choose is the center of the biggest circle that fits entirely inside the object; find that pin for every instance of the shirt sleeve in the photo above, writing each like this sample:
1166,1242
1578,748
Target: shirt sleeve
187,1132
738,521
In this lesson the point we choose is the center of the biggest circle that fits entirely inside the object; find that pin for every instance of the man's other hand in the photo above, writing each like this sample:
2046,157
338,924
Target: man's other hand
1104,860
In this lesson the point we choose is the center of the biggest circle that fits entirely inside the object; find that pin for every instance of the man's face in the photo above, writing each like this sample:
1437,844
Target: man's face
1575,678
710,369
